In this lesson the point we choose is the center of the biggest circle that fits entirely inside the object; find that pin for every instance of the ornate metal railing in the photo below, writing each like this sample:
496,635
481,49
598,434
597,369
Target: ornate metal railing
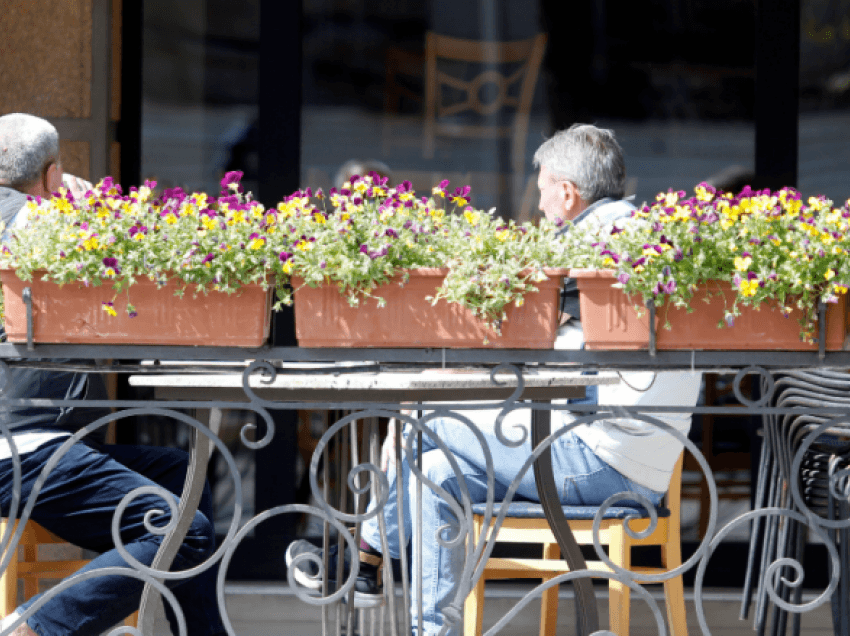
803,474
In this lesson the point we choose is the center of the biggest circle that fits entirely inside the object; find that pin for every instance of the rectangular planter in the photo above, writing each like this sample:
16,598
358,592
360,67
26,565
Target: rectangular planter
73,313
609,321
323,317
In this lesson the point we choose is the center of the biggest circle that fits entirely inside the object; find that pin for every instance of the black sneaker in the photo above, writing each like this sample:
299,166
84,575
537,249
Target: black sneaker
368,588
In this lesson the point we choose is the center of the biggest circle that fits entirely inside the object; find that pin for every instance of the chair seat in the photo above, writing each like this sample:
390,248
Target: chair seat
532,510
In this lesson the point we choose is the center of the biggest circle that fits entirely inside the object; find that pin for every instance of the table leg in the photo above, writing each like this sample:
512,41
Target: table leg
193,488
587,617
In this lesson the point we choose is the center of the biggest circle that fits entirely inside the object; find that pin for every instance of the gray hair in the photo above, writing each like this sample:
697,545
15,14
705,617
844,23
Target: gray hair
587,156
28,144
360,167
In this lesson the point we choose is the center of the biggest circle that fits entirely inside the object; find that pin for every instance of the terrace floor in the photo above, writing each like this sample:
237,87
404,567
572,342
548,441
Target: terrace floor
258,609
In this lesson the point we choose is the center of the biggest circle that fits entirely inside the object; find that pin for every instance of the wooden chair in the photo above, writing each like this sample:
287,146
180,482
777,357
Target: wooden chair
534,528
31,570
512,67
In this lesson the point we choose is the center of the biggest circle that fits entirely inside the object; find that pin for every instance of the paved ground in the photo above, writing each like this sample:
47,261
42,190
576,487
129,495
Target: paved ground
264,610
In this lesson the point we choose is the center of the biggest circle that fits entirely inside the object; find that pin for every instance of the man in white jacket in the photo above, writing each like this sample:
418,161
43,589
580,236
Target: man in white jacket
582,177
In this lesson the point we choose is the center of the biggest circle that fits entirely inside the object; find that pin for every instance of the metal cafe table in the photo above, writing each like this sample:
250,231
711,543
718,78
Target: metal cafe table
375,388
211,377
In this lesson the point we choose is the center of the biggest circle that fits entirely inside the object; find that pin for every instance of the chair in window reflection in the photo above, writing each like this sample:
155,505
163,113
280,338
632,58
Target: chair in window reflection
492,103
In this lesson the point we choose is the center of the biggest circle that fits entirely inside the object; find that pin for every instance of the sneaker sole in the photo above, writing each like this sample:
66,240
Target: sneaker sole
361,599
365,601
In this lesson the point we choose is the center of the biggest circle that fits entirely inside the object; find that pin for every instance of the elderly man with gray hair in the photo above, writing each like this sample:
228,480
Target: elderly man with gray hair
29,162
78,499
582,178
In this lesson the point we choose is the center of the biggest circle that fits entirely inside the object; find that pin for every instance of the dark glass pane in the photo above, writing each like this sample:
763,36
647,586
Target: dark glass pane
825,99
674,79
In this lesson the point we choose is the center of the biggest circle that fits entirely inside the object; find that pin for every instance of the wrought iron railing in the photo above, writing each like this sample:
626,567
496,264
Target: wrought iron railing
803,476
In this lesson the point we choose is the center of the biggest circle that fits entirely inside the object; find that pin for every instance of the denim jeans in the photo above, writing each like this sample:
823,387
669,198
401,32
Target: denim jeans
581,478
78,501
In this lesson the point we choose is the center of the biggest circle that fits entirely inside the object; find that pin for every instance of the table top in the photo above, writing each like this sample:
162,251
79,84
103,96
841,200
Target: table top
374,386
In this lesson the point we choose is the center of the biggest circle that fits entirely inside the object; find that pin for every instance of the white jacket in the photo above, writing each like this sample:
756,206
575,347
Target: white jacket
641,451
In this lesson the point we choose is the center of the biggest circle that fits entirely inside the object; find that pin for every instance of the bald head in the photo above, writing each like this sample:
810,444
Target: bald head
29,154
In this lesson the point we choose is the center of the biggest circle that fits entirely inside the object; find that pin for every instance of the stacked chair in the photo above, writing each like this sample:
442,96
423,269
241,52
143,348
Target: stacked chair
776,537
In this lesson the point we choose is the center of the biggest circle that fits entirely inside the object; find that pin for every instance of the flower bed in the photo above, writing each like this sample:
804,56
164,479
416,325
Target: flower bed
610,320
323,318
72,314
357,239
755,250
362,240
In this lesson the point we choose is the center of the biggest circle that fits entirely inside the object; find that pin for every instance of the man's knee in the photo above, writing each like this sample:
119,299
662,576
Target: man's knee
200,539
438,469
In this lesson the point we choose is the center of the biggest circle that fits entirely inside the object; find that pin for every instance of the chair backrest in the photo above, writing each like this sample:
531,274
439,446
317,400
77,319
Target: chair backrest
503,65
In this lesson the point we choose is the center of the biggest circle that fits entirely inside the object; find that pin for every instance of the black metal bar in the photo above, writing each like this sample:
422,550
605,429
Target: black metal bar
279,99
587,618
821,331
722,361
27,297
652,346
777,93
129,128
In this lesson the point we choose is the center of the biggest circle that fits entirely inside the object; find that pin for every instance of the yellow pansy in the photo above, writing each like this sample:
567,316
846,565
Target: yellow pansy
749,287
472,217
742,264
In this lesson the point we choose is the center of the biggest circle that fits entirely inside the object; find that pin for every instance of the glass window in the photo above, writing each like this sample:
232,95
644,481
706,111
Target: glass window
200,61
824,164
681,105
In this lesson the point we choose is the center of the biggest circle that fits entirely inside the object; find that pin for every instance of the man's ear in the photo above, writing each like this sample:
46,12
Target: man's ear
52,178
573,203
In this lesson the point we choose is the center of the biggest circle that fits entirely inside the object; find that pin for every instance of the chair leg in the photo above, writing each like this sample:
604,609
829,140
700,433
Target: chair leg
549,601
674,589
473,610
473,607
8,582
30,582
619,595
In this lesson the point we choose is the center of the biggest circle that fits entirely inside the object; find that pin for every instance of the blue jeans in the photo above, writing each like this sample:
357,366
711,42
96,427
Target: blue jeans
581,478
78,502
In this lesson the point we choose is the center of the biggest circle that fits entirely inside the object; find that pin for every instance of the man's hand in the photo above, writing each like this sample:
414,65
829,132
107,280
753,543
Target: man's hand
76,185
388,447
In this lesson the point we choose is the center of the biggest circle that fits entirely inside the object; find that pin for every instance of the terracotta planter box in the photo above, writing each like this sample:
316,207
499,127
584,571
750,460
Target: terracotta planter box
73,313
323,317
609,321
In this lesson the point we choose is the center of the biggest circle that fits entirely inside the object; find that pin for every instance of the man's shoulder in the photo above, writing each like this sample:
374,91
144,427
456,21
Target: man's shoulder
11,202
613,210
606,212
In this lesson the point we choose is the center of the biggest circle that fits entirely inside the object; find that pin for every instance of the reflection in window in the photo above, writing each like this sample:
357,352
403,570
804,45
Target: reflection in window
200,60
681,105
824,166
